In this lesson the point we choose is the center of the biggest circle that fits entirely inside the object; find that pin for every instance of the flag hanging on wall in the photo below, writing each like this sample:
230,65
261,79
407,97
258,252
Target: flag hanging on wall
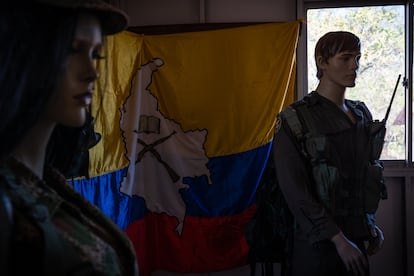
187,122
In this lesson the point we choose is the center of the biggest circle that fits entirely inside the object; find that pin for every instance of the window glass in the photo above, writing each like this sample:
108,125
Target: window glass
381,30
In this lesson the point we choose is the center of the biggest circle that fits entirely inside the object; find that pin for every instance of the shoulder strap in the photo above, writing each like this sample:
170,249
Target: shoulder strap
307,118
299,119
312,145
361,106
293,121
301,124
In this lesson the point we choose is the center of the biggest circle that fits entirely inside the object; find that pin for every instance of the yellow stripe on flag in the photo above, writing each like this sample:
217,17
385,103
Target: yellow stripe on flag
117,70
230,82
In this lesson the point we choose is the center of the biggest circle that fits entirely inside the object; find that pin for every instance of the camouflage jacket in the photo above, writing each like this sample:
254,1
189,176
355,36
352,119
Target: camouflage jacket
50,229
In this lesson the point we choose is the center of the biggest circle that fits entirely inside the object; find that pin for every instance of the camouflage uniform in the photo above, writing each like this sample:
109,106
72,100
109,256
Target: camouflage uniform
346,150
53,230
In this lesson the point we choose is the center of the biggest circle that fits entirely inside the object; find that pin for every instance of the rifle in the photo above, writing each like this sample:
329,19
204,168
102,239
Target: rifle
377,129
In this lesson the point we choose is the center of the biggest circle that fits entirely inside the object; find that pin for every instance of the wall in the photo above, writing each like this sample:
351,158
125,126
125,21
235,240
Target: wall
392,214
164,12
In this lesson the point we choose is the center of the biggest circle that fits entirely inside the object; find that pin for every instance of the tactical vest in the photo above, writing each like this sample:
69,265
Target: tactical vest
269,233
313,145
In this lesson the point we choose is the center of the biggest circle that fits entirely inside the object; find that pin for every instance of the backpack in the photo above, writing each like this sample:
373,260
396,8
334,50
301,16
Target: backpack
269,233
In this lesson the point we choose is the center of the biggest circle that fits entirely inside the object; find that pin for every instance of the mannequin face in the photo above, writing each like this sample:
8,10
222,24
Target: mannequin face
341,69
76,84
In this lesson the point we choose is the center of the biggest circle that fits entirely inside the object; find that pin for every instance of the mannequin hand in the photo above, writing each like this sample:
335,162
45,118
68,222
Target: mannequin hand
350,254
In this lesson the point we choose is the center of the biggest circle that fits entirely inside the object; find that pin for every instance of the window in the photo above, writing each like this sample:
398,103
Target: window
382,32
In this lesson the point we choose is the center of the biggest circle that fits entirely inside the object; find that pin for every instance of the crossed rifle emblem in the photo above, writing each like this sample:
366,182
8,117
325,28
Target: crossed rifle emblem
151,148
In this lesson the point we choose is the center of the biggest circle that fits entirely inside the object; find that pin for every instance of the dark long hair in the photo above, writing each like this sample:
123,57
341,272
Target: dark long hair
35,41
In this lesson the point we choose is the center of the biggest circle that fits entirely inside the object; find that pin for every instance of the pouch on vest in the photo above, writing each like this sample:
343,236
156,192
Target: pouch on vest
375,189
324,175
377,134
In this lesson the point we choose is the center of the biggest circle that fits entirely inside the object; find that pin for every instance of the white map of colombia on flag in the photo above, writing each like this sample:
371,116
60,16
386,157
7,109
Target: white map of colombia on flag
159,152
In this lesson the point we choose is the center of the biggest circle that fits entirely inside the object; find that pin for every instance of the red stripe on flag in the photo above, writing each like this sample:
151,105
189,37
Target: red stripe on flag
205,245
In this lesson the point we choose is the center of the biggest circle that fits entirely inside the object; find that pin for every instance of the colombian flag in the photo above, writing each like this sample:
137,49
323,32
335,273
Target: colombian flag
187,122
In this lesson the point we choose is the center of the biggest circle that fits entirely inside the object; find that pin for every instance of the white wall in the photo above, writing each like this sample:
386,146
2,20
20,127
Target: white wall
166,12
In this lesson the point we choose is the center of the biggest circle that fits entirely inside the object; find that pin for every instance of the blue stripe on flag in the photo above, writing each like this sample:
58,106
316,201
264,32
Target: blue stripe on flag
103,191
235,178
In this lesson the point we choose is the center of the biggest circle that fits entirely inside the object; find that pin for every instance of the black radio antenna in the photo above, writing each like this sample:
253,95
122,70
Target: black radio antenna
392,99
